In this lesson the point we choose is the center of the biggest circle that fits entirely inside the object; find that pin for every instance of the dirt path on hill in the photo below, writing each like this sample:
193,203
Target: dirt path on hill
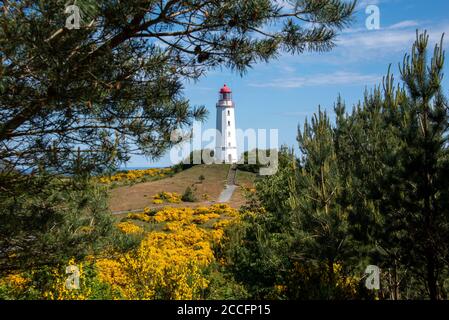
230,187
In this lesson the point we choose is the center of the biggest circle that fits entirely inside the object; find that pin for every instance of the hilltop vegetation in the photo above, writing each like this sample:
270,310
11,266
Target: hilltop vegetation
130,177
141,195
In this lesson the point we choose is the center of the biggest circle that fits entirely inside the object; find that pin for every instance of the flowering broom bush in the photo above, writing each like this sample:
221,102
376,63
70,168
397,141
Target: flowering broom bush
134,176
170,197
173,263
169,264
129,228
165,266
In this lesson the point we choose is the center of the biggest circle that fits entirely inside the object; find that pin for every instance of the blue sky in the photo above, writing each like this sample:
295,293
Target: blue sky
281,94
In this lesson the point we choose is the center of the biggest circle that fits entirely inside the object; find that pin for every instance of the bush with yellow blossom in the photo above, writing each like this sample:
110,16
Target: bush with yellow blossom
129,228
173,263
136,176
170,197
14,286
168,264
165,266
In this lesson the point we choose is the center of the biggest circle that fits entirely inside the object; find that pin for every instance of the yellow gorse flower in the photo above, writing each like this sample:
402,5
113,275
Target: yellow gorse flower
133,175
139,216
165,266
59,290
170,197
129,227
169,264
16,281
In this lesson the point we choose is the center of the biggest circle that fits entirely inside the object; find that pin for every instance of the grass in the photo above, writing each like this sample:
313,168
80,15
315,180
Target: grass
243,179
140,195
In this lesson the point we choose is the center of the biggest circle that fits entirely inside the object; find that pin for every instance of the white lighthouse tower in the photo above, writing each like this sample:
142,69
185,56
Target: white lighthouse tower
226,148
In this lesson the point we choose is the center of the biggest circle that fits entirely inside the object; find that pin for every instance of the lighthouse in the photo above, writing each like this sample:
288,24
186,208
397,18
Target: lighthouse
226,142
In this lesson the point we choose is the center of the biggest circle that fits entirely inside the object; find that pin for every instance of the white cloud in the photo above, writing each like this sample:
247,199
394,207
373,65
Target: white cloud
392,37
389,41
379,39
358,48
319,80
287,5
404,24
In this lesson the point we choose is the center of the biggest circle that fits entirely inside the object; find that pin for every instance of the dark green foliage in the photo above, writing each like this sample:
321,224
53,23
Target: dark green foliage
115,84
189,195
296,235
256,257
418,187
395,154
319,221
222,286
251,160
48,220
258,250
371,189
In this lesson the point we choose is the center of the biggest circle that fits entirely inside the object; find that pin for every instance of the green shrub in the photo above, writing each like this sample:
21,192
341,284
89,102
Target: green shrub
189,195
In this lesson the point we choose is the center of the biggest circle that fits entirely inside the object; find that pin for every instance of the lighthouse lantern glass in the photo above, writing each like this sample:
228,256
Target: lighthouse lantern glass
226,96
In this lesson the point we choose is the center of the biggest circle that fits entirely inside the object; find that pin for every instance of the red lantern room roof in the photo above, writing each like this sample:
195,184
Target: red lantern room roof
225,89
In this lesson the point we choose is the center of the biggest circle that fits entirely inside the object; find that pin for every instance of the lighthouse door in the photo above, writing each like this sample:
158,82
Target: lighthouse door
230,158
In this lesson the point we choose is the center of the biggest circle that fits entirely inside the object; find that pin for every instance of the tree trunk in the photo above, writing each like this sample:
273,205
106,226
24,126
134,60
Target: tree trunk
431,279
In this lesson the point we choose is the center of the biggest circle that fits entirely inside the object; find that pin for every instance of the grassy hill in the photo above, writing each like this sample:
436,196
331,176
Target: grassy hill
243,179
140,195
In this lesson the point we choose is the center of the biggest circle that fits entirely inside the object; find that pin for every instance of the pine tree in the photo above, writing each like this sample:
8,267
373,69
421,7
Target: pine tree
365,140
320,223
393,149
115,84
419,186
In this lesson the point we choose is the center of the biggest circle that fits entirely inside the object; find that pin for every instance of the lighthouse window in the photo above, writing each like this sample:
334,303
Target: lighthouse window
226,96
229,144
229,113
229,123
